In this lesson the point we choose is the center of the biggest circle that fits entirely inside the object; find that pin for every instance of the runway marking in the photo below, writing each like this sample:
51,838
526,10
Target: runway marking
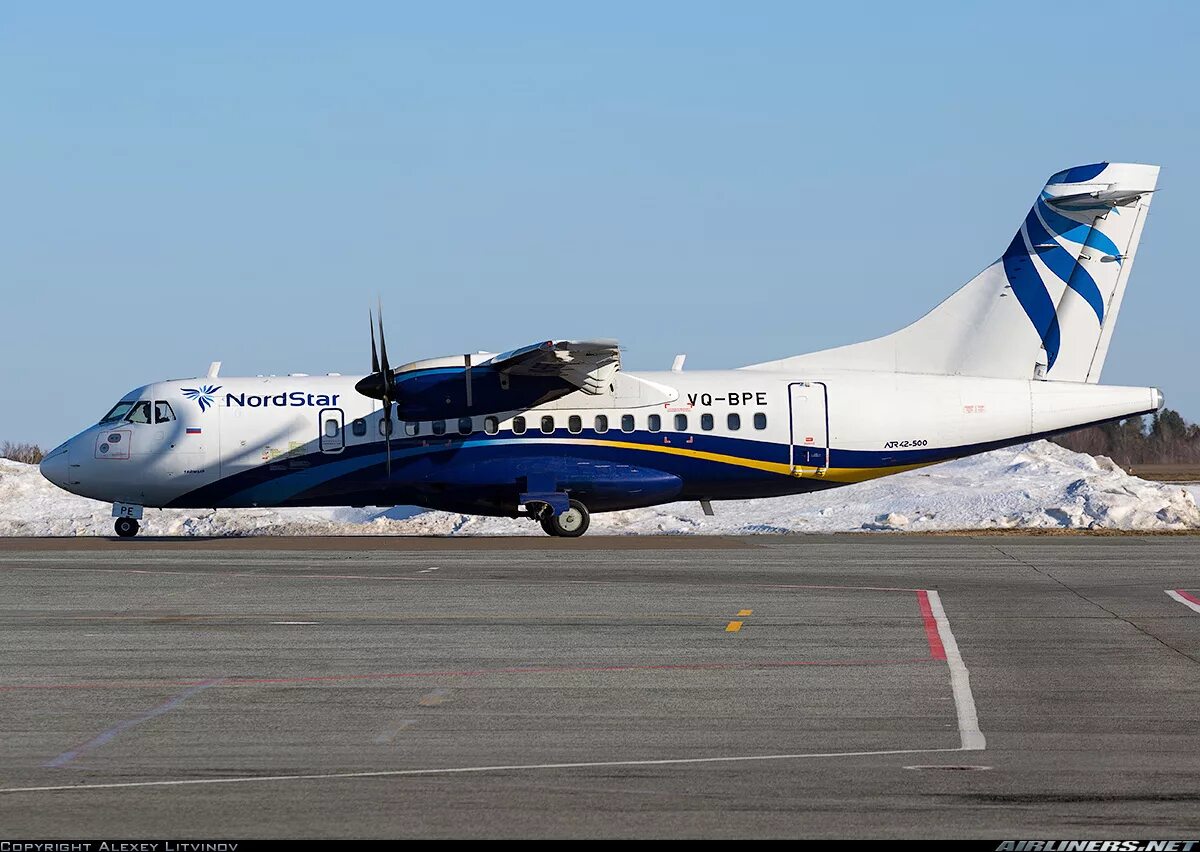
960,682
255,681
295,622
1186,598
733,627
462,770
121,727
742,612
936,650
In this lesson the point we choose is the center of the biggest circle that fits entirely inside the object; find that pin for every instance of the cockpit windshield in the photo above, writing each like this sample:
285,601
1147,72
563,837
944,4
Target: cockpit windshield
119,410
140,412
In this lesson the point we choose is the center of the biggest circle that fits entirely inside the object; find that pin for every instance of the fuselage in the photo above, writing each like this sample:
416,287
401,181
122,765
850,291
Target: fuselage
651,438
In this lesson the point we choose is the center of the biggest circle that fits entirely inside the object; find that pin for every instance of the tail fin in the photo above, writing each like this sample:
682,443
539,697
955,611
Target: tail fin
1045,309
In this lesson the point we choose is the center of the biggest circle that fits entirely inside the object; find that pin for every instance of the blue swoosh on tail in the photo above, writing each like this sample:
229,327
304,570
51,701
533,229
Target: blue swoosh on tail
1031,292
1062,263
1076,232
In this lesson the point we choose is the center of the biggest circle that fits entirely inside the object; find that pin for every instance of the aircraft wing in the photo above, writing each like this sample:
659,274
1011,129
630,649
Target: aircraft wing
587,364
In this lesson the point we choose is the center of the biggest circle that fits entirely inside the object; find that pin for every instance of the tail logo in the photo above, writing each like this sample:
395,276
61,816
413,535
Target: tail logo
1039,234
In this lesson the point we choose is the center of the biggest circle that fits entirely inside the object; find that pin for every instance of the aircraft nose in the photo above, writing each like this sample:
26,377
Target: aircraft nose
55,466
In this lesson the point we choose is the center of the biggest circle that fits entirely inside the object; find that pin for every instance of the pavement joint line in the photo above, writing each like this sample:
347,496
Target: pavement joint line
1102,607
463,770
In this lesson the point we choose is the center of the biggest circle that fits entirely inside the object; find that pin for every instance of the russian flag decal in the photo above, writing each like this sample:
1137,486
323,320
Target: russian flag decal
193,430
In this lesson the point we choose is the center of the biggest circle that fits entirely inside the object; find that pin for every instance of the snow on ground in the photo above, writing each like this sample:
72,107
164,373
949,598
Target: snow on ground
1036,486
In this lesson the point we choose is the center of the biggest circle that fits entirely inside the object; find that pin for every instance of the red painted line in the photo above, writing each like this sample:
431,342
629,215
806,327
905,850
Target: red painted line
936,651
1188,596
254,681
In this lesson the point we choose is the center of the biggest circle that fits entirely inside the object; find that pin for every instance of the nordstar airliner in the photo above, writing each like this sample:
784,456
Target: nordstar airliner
557,430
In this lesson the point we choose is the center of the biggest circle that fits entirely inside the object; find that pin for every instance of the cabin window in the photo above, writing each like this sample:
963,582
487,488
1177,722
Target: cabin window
438,427
574,424
547,424
680,422
734,422
118,411
412,429
491,425
706,422
163,412
385,428
465,425
358,427
518,425
601,423
140,413
331,428
626,422
760,421
653,422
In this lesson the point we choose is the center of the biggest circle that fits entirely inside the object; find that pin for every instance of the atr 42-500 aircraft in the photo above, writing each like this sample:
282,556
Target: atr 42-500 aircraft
555,431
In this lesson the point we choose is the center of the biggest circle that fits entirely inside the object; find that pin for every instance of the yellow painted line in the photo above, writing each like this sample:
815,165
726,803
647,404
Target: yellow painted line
745,612
733,627
835,474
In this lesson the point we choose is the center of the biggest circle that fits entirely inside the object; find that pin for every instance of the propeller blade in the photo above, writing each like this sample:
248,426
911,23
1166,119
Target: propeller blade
374,355
467,373
387,385
385,366
387,431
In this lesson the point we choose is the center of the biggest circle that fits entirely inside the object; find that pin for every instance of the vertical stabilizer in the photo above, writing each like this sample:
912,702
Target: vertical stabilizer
1047,308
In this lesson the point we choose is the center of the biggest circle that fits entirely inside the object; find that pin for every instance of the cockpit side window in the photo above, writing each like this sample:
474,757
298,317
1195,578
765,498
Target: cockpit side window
140,412
118,411
163,412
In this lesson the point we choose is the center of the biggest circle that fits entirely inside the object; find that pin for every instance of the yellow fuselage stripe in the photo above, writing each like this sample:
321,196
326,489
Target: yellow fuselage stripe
834,474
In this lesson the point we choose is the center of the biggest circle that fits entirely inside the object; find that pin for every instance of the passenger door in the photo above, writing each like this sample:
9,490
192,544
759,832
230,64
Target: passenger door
808,444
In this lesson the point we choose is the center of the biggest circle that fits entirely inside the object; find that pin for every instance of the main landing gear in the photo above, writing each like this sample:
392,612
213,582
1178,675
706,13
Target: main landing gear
126,527
570,524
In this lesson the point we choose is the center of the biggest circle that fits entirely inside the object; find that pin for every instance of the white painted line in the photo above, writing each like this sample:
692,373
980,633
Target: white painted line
1190,604
295,622
121,727
391,773
960,681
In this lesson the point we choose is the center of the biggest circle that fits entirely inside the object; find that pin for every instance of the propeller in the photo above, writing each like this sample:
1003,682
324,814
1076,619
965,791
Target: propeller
381,384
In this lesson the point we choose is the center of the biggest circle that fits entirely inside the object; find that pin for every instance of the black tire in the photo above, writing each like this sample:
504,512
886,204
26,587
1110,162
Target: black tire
570,524
547,523
126,527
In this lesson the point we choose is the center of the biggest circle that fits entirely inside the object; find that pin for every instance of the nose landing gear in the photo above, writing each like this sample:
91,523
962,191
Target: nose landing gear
126,527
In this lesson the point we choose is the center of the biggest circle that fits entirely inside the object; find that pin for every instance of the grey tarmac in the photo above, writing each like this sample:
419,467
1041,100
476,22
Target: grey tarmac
660,686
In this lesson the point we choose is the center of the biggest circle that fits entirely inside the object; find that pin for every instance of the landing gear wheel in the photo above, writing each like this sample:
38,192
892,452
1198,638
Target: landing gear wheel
570,524
126,527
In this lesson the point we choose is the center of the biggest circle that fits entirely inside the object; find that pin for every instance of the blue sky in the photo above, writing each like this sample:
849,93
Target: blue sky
186,183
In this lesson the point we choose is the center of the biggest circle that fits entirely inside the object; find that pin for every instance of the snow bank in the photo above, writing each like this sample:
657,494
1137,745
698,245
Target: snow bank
1036,486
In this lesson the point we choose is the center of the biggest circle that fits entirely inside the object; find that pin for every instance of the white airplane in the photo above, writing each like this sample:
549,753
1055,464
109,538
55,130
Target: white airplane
556,430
